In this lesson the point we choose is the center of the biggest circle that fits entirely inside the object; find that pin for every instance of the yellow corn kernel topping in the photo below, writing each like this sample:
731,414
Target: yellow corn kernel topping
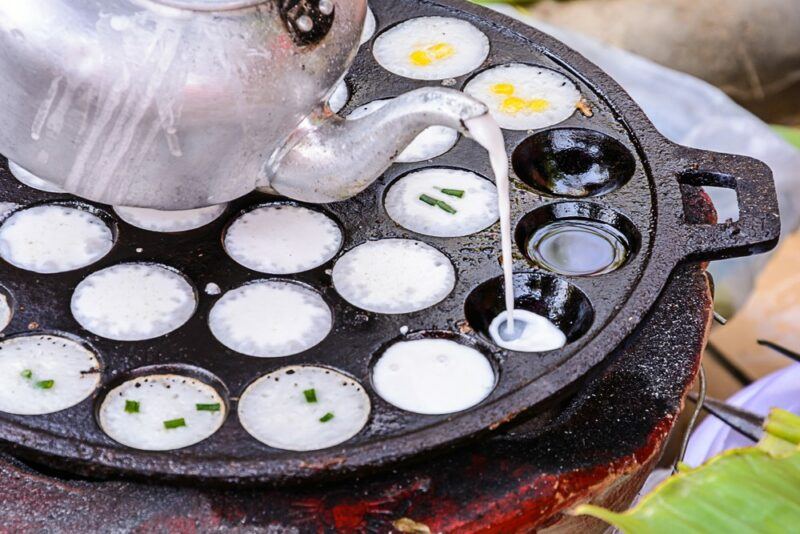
428,55
503,89
513,104
538,105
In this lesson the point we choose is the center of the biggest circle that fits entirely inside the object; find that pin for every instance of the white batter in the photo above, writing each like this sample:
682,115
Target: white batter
282,239
485,131
133,301
339,97
304,408
5,311
268,319
369,26
162,412
433,376
409,202
531,332
432,142
394,276
169,221
524,97
31,180
54,239
431,48
42,374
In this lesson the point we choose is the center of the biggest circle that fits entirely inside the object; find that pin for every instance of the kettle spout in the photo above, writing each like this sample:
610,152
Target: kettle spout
332,159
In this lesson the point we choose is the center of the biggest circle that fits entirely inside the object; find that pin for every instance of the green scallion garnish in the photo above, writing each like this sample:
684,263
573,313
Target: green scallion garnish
174,423
311,395
428,200
131,406
458,193
445,206
208,407
325,418
45,384
27,373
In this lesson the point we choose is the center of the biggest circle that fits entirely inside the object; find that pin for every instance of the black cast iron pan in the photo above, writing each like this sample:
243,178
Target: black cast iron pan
648,182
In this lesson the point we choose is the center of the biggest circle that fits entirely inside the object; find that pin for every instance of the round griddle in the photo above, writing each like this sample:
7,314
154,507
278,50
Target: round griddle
591,448
596,313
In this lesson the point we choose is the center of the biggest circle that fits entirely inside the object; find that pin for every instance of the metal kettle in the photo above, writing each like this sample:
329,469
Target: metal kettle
178,104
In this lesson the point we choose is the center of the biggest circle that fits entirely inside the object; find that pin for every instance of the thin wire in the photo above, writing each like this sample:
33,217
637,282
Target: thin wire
780,349
701,399
731,368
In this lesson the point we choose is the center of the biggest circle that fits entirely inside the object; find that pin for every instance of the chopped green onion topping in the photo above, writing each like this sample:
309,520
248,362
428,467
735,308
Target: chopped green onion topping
45,384
175,423
131,406
325,418
428,200
453,192
27,373
311,395
445,206
208,407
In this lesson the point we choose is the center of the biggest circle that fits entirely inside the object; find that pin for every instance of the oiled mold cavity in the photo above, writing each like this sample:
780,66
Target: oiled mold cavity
525,97
45,373
577,238
55,238
369,26
282,239
133,301
553,304
268,319
431,48
304,408
169,221
160,412
339,96
443,202
573,162
433,375
393,276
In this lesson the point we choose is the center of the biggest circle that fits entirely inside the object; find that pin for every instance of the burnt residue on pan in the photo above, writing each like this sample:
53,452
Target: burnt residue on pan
639,181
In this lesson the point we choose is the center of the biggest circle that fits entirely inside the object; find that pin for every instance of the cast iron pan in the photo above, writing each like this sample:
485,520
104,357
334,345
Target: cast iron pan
648,182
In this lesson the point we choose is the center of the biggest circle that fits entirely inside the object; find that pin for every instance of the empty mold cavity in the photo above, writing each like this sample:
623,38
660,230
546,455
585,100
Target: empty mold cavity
270,318
133,301
56,238
577,238
282,238
433,373
163,408
720,189
393,276
553,298
573,162
45,373
304,408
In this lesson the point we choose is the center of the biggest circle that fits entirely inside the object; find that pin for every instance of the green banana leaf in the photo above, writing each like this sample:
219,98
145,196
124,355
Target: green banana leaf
755,489
790,134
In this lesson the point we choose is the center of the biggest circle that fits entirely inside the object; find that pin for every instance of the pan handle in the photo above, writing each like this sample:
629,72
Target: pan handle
758,227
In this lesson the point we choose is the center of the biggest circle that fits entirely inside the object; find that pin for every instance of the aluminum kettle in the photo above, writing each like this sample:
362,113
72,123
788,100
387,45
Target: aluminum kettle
178,104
